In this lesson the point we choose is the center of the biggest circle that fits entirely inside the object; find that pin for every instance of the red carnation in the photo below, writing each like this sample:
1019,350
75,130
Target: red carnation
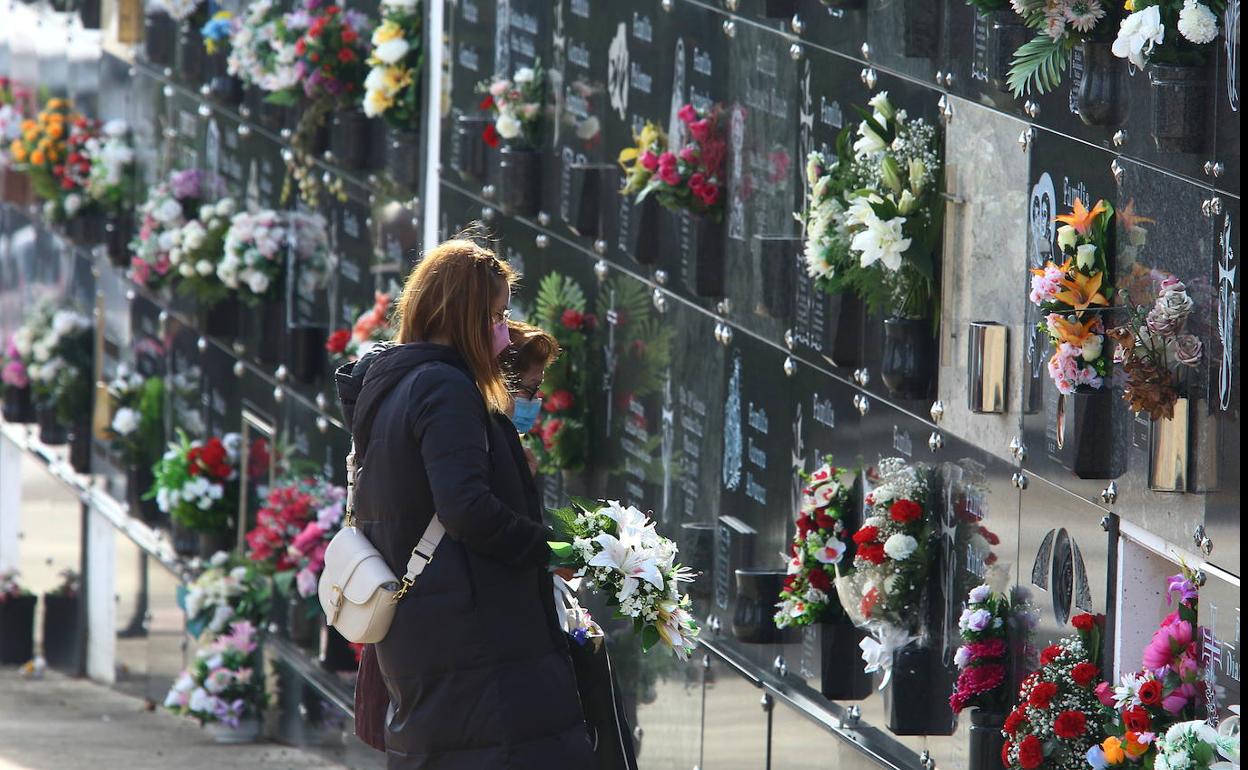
1015,720
490,136
571,319
789,581
819,579
560,400
1030,753
1042,694
872,552
1084,622
1070,724
487,103
866,535
905,511
804,525
346,55
1049,654
1137,720
332,10
1084,673
337,343
1150,693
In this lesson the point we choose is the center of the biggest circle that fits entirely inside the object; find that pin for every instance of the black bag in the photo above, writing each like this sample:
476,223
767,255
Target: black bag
604,710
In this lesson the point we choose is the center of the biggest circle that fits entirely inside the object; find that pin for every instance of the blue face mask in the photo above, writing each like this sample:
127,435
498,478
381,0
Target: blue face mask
525,413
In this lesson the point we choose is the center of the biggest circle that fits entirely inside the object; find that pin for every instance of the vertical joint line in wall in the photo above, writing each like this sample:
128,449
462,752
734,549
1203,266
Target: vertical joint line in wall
434,42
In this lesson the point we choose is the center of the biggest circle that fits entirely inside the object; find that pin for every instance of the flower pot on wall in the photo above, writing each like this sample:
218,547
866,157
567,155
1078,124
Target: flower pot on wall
403,152
914,702
779,9
753,619
306,352
17,630
62,633
1180,107
86,229
841,676
222,319
908,364
1083,436
139,480
777,262
643,236
185,541
697,551
987,363
349,134
1102,98
519,186
335,652
193,68
302,626
19,405
1008,34
51,432
264,329
707,259
118,229
588,186
986,741
1169,450
844,319
159,35
223,86
209,543
468,148
80,448
921,29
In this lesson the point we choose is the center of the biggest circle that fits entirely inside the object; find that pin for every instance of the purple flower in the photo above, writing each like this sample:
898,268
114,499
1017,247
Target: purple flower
14,374
186,184
1179,584
580,636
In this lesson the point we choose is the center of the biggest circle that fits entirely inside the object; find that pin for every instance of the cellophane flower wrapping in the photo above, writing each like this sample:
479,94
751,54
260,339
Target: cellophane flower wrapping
618,551
819,545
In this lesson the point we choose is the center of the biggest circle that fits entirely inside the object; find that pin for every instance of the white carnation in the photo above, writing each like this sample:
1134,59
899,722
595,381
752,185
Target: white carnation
900,546
1197,23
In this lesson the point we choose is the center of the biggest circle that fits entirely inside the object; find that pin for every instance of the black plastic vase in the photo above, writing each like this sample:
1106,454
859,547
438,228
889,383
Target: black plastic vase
336,653
349,133
519,186
909,357
193,69
707,260
160,34
403,153
844,319
89,13
1102,98
1180,107
80,448
916,700
51,431
86,228
697,551
222,319
590,187
777,263
17,630
753,619
1008,34
1084,438
841,674
305,347
779,9
468,147
118,229
62,632
643,237
264,329
207,544
139,481
986,741
19,405
921,29
223,86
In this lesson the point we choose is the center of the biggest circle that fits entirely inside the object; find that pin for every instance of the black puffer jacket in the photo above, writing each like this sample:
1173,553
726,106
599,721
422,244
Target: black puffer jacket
475,665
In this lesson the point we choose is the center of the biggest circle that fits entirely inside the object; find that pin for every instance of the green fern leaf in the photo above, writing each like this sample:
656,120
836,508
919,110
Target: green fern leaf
1039,64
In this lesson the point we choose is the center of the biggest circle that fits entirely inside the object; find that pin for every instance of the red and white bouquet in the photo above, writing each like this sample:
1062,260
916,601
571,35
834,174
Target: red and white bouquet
516,103
196,482
621,554
371,327
1056,721
1147,703
885,592
981,660
818,547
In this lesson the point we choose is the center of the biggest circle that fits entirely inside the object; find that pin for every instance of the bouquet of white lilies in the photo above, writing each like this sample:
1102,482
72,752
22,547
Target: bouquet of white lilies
618,550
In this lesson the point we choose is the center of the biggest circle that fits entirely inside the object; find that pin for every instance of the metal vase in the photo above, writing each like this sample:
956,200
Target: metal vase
1169,450
909,357
1084,434
987,364
753,619
349,133
1102,98
1180,108
519,181
403,152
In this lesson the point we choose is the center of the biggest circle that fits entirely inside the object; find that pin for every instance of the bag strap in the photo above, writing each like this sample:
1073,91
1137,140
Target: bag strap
422,552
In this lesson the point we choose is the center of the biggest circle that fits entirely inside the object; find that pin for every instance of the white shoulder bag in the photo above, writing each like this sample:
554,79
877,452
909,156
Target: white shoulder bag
357,590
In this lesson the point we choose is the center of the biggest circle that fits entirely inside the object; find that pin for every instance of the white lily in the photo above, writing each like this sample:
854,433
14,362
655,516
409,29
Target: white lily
634,562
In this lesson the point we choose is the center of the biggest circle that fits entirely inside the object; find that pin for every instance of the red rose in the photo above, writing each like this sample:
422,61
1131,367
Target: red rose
1137,720
346,55
337,342
905,511
825,521
490,136
1030,753
1049,654
1084,622
349,35
571,319
1015,720
865,535
819,579
1150,693
1042,694
487,103
1084,673
1070,724
1005,753
872,552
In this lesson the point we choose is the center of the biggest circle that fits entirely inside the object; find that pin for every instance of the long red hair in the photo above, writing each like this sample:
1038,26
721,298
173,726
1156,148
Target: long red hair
450,295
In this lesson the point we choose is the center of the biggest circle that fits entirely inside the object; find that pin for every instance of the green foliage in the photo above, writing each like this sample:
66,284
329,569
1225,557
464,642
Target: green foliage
560,438
1039,65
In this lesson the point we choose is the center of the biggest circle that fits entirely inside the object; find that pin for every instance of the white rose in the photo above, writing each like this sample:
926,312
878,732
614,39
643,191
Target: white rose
1085,256
175,256
524,76
204,268
225,207
1092,347
900,547
391,51
258,282
1138,34
73,202
1197,23
169,210
1067,236
206,211
186,270
126,421
507,126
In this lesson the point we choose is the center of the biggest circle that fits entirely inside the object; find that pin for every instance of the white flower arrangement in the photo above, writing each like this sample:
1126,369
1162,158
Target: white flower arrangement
261,54
226,682
112,160
255,251
1149,34
1198,746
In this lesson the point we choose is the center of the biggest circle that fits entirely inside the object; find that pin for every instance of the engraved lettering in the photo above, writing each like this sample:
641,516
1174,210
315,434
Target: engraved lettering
643,29
824,413
638,79
578,54
701,62
469,59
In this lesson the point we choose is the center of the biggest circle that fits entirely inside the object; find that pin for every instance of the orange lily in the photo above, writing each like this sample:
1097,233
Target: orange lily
1082,290
1073,332
1081,219
1129,219
1065,267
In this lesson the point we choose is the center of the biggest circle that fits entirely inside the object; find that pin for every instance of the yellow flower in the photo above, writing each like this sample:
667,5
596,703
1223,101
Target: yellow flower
29,125
396,79
1134,748
1112,747
1081,218
56,130
1129,5
388,31
649,138
376,102
18,151
37,158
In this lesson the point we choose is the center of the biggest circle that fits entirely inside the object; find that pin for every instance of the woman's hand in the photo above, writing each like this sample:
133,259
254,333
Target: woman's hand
567,573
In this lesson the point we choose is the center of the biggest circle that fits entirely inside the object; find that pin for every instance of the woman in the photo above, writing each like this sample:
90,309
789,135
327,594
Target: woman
475,665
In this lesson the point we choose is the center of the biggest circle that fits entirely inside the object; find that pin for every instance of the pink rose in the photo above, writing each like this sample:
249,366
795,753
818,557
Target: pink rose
701,130
1105,694
669,175
649,161
311,535
696,182
1167,644
687,114
709,194
689,154
1178,700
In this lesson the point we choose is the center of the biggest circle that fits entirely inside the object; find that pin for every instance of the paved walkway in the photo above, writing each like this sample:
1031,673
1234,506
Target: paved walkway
60,723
